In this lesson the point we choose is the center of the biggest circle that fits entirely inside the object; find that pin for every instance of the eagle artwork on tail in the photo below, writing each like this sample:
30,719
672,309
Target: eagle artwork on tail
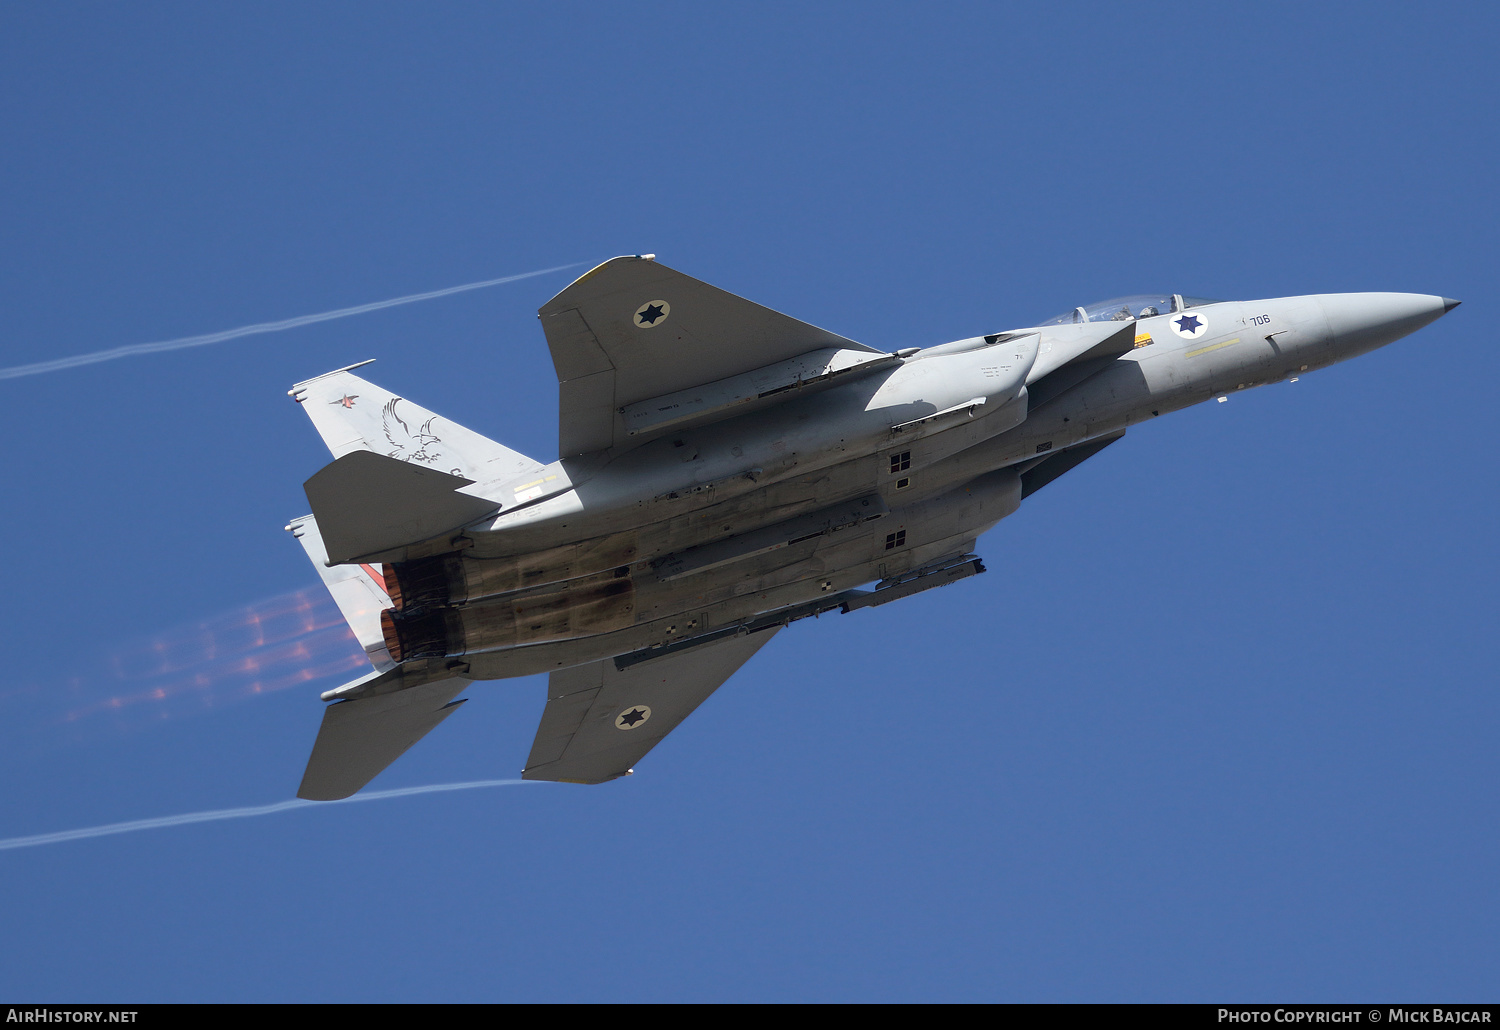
406,445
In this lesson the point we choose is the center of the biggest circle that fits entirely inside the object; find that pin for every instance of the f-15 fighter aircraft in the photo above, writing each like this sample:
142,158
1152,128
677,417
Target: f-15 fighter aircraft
726,470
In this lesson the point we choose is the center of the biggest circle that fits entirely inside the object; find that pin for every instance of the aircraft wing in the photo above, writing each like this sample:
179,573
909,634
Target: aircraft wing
1038,472
600,721
633,329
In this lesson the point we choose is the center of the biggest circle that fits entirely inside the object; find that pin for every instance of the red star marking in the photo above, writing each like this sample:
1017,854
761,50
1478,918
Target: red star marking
346,401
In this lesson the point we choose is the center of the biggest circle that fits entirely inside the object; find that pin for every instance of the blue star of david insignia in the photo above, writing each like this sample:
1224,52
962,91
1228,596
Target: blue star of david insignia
1189,323
632,717
650,315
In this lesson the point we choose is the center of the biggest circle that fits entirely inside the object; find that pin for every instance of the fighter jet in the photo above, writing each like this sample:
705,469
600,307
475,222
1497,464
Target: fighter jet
725,470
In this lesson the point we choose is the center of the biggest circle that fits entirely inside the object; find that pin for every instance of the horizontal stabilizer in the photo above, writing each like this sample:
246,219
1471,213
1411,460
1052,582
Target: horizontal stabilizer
352,414
367,504
358,739
599,720
633,329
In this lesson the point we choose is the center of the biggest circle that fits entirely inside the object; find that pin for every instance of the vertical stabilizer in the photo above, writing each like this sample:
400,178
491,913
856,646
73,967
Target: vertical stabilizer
352,414
358,590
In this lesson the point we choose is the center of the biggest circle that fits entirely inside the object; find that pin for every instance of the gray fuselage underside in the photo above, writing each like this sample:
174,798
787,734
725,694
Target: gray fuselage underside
957,482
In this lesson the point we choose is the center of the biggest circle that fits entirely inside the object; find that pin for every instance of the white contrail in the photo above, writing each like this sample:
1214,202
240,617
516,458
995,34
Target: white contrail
57,365
237,813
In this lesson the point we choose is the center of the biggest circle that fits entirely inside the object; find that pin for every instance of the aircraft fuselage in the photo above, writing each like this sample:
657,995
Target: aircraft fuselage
616,554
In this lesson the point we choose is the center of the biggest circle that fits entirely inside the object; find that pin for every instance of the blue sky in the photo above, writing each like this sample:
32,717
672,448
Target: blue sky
1219,723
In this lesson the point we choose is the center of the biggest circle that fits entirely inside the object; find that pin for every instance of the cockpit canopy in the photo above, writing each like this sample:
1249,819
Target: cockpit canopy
1125,309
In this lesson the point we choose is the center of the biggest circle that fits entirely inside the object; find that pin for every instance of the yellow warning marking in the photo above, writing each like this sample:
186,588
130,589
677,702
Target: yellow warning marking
535,482
1215,346
1144,339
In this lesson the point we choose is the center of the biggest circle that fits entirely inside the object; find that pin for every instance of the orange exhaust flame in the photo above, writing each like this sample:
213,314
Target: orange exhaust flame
293,640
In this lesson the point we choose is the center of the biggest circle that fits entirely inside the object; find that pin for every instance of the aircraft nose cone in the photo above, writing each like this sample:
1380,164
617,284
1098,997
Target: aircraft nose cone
1449,304
1361,322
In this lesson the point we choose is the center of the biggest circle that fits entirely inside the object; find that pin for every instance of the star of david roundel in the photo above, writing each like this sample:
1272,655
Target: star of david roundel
632,717
652,314
1189,324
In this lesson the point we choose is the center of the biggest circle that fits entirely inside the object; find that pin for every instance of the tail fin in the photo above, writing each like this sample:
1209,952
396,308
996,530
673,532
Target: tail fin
352,414
358,590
